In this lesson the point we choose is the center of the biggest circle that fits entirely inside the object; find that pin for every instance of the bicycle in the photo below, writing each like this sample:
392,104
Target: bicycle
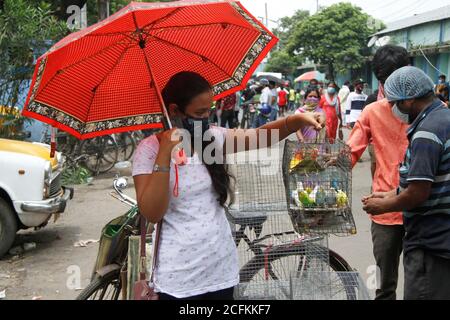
127,144
109,272
108,281
100,154
248,117
278,262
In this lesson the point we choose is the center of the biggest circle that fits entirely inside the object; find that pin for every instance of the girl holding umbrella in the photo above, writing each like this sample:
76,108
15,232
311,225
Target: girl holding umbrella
197,256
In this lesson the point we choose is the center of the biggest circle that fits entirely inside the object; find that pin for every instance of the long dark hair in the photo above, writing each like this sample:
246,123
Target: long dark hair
181,89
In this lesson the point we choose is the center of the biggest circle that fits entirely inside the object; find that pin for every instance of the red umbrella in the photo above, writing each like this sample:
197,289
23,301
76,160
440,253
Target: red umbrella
308,76
107,78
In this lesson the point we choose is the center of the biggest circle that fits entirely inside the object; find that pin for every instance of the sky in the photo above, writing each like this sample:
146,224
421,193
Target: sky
386,10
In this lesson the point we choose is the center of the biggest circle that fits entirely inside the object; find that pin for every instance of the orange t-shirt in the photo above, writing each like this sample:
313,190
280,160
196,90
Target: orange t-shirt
378,125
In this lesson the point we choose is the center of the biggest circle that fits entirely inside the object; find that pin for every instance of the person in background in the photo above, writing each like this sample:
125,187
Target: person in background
298,99
343,95
314,83
264,107
380,130
237,108
355,104
424,184
312,99
249,92
274,101
443,93
226,106
331,105
282,101
443,80
292,98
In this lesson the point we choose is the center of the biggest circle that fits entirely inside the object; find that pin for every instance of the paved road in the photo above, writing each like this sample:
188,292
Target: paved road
46,271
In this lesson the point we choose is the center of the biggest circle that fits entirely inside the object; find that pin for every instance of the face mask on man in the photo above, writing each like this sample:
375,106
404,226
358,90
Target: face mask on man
404,117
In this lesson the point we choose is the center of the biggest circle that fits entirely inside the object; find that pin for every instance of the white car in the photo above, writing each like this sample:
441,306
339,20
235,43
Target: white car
30,188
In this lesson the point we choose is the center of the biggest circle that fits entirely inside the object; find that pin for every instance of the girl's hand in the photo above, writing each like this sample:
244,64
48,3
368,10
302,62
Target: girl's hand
168,140
315,120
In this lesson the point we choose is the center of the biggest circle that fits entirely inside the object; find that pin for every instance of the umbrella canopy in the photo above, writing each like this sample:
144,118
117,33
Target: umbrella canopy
308,76
108,77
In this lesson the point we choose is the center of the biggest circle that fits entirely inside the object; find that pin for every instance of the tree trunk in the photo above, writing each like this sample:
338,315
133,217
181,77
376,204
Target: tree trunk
103,9
331,72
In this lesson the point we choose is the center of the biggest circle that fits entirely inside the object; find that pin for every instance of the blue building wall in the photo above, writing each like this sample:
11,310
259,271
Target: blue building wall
426,35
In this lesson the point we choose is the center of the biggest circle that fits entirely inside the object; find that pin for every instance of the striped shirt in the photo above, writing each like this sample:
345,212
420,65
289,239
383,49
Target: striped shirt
428,159
354,106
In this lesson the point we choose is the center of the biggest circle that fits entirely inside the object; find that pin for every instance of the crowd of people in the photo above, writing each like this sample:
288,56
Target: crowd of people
404,125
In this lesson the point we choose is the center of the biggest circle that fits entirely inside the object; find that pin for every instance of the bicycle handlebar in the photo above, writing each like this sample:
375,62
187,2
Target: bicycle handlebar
121,196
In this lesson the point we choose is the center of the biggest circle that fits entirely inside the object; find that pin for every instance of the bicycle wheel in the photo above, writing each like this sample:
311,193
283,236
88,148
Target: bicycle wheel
127,145
101,154
105,287
283,261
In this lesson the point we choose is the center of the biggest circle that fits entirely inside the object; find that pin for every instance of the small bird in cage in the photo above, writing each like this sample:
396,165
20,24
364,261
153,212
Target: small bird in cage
305,161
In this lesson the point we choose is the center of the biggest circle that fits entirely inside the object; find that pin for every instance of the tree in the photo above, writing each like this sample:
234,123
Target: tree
281,61
26,31
287,26
336,37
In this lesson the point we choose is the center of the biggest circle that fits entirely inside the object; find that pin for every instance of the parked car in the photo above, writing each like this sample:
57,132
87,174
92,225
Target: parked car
30,188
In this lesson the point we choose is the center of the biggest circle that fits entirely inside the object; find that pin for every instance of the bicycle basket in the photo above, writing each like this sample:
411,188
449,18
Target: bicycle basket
114,240
318,184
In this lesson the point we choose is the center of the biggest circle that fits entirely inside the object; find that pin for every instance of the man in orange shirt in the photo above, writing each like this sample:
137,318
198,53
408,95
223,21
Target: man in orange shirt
378,126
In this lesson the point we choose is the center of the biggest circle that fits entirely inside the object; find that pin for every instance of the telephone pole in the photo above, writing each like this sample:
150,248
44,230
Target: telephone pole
267,16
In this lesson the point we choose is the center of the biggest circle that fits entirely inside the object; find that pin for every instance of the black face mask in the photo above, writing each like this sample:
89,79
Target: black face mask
196,126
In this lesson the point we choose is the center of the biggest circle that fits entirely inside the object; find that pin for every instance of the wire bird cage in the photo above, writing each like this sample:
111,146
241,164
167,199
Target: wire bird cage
259,186
318,185
323,285
276,249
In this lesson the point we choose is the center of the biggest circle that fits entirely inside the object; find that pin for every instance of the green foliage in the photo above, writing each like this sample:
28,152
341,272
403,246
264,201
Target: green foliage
281,61
335,37
26,29
114,6
288,25
75,175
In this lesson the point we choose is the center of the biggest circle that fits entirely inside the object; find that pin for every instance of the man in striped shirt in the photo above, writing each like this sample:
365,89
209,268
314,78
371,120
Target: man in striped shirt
355,104
424,192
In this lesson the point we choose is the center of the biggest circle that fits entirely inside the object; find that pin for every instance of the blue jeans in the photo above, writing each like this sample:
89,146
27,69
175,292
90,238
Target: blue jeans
274,114
260,120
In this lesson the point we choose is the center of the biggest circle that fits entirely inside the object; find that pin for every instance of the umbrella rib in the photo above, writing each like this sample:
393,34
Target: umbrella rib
100,51
198,25
94,90
80,61
192,52
169,28
167,16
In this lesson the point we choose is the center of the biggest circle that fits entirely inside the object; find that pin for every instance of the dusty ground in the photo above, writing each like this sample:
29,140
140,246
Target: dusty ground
48,271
